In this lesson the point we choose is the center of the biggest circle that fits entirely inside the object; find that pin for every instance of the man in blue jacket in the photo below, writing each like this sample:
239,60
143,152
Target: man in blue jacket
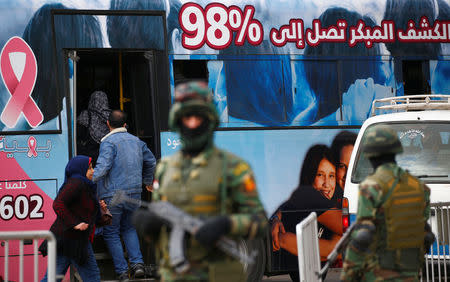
124,163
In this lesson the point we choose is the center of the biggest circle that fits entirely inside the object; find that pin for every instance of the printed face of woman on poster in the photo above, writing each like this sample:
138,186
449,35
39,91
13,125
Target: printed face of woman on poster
319,170
325,179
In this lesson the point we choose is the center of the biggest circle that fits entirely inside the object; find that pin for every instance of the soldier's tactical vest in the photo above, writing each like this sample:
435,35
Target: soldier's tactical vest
400,243
197,186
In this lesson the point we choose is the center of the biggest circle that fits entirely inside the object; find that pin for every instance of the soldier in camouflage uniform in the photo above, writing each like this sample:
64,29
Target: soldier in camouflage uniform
207,182
392,234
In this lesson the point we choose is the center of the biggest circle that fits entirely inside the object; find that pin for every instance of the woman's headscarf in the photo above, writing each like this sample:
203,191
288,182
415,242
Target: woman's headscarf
95,117
77,168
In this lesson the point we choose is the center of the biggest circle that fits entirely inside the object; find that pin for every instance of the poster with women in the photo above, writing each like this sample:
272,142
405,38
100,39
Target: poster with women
297,171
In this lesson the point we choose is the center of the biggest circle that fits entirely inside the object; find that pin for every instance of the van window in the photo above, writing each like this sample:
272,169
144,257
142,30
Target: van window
426,152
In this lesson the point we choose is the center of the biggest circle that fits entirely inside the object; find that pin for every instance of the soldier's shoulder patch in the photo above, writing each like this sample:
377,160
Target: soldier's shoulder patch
249,183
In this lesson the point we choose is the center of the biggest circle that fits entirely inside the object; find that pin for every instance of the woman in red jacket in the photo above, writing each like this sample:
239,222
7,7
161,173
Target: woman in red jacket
77,210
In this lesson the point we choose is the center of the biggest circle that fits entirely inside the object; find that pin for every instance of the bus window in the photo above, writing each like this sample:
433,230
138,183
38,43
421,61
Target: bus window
415,77
189,69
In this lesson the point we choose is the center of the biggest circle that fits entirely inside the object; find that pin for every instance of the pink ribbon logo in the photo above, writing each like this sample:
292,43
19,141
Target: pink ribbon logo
32,147
18,69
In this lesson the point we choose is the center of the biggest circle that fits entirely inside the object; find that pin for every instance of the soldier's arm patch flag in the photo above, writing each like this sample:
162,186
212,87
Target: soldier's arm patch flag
249,183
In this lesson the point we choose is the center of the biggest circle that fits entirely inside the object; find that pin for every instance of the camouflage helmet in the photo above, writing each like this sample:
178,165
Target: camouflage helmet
380,140
193,96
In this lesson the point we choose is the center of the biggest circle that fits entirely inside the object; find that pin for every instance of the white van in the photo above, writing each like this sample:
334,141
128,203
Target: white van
422,123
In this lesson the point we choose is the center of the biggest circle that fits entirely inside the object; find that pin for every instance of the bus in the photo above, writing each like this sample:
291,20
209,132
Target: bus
292,82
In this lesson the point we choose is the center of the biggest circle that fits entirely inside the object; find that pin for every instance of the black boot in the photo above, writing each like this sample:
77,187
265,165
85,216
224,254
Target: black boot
138,271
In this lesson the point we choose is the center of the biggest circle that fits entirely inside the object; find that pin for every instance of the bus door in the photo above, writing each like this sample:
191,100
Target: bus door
128,80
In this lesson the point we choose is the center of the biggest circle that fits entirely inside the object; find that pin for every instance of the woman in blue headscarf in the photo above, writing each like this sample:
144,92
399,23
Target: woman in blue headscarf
77,209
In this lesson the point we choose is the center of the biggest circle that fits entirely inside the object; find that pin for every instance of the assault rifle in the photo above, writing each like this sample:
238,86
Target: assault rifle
339,248
181,222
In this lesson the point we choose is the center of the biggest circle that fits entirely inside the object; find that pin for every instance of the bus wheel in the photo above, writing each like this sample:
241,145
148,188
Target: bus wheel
254,271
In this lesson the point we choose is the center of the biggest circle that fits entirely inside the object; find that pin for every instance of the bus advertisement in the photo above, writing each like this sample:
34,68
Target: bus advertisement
292,82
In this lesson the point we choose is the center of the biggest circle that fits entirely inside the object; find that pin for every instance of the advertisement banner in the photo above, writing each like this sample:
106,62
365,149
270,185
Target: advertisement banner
297,171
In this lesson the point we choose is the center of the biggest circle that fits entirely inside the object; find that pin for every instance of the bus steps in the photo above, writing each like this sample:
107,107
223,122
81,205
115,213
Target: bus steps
106,266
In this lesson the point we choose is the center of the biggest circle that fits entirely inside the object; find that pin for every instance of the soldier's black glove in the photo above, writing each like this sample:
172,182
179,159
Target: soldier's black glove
146,223
212,230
